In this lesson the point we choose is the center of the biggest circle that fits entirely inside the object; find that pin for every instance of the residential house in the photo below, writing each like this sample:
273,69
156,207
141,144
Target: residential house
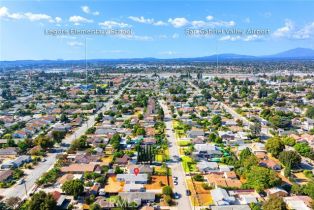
138,197
298,202
79,168
17,162
205,166
6,175
221,197
130,178
195,133
276,191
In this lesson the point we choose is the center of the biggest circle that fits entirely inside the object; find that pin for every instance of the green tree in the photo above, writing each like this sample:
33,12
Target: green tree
309,189
58,135
73,187
310,112
64,118
274,203
216,120
290,158
274,146
44,141
95,206
167,190
256,128
288,141
42,201
261,178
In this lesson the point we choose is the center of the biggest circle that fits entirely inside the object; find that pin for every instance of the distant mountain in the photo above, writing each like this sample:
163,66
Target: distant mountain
294,53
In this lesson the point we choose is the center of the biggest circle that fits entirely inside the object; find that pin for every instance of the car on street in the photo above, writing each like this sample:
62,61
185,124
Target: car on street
21,181
176,195
188,192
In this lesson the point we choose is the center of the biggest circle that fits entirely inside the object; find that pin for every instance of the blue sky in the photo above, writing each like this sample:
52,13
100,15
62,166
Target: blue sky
158,28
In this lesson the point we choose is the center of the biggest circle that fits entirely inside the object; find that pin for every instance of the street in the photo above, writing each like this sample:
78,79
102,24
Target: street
176,166
30,179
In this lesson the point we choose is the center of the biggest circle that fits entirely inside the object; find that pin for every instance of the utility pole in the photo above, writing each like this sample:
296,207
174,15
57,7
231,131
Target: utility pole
25,188
85,65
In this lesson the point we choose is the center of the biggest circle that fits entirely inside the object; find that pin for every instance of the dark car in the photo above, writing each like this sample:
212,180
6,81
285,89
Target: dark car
188,192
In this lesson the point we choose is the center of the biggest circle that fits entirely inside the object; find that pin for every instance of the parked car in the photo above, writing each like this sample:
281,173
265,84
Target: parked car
188,192
20,181
176,195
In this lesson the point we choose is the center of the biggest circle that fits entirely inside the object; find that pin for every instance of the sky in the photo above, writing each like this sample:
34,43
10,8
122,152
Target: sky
152,28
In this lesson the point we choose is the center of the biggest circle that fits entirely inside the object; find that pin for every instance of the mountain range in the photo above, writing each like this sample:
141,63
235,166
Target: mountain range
293,54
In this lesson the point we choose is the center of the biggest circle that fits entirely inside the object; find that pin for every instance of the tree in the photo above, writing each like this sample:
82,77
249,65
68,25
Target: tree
115,140
64,118
245,154
167,190
73,187
42,201
290,158
274,203
44,141
256,128
216,120
95,206
274,146
309,189
58,135
288,141
310,112
261,178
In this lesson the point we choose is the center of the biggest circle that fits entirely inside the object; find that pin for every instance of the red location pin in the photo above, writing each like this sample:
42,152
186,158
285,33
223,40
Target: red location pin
136,171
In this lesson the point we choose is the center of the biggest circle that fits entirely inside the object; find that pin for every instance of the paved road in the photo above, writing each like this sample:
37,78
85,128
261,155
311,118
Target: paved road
176,167
42,167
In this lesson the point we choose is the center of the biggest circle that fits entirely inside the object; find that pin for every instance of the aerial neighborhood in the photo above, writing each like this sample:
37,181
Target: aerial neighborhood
156,141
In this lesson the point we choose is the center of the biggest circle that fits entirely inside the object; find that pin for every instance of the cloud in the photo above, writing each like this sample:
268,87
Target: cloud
38,17
178,22
112,24
4,12
305,32
253,37
136,37
199,23
209,17
168,53
87,10
290,31
77,20
175,36
247,20
58,19
141,19
75,44
284,31
230,38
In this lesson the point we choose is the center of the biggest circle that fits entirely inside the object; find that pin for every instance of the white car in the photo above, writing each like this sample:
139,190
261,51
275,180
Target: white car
20,181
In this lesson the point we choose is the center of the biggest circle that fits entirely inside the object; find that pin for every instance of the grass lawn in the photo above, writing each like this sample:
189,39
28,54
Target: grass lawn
188,164
161,158
184,143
